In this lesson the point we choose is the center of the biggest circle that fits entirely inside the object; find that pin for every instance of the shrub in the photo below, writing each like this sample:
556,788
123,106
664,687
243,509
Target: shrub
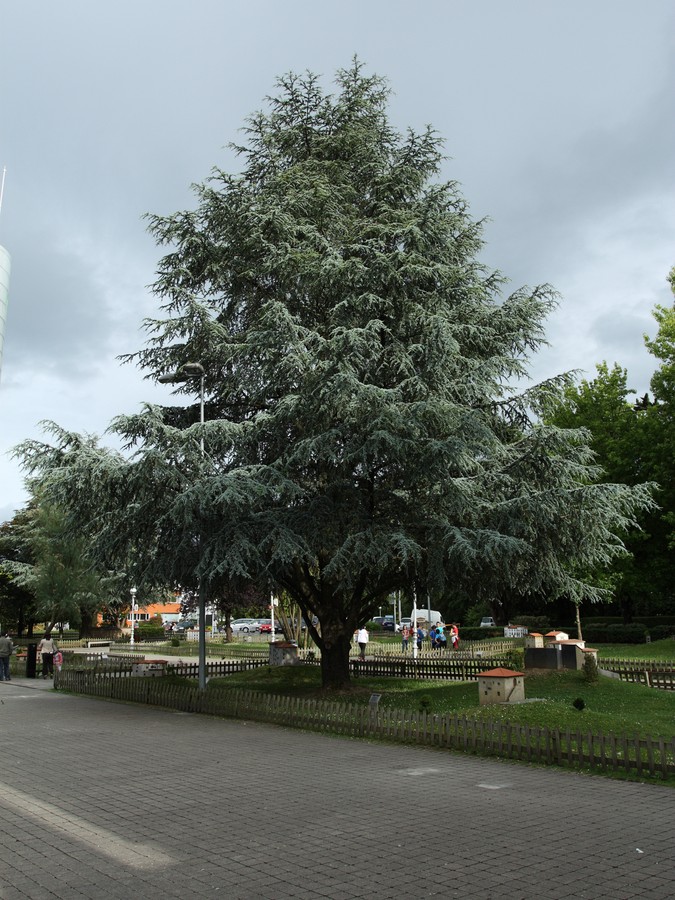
479,634
658,632
515,659
615,634
150,632
175,642
590,668
579,703
542,624
425,703
627,634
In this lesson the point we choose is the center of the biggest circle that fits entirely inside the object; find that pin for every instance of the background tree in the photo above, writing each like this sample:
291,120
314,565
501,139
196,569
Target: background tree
56,571
634,441
17,603
362,433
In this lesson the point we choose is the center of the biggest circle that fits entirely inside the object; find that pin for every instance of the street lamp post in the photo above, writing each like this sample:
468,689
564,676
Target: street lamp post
131,614
187,372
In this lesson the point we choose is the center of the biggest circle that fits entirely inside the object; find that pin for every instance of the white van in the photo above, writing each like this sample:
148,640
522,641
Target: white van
432,616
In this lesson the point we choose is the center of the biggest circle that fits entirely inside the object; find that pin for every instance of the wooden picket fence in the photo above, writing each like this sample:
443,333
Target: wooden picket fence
652,673
428,668
123,666
647,756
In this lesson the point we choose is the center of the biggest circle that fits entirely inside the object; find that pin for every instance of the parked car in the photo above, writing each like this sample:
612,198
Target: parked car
265,626
406,620
487,622
186,625
377,620
244,626
389,624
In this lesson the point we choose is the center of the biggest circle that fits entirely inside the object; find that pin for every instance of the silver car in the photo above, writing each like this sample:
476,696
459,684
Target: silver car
244,626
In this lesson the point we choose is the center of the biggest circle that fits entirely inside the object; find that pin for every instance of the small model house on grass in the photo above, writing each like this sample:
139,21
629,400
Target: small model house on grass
283,653
501,686
534,639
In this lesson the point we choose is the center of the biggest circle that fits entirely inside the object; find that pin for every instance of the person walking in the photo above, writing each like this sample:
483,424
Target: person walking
47,648
420,637
6,650
455,636
405,637
362,641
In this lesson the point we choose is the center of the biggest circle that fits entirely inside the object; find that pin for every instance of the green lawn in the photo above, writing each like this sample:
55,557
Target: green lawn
662,651
610,705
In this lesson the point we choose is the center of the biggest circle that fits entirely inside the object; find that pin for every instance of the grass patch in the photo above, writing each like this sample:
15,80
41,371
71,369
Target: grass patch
610,706
661,651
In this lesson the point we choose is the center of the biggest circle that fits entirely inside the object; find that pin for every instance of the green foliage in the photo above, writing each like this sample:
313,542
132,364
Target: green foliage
541,624
579,703
425,703
615,634
56,568
480,634
149,631
17,602
475,613
515,659
591,672
658,632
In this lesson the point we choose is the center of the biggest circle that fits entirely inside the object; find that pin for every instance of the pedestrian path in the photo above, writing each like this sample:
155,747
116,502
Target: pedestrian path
112,801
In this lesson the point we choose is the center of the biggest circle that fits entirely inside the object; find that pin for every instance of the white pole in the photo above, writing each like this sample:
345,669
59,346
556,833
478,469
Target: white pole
413,624
133,607
272,602
201,412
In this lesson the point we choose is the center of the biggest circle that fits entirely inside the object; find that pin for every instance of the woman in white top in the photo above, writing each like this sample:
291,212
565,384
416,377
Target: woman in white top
362,640
47,647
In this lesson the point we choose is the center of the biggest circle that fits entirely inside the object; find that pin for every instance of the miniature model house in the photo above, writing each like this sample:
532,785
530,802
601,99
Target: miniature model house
501,686
556,636
534,640
283,653
514,631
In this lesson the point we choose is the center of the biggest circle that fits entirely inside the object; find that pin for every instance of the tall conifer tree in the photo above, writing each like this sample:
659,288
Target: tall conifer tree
362,432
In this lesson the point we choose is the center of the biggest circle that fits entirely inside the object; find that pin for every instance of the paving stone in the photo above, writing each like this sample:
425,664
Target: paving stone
111,801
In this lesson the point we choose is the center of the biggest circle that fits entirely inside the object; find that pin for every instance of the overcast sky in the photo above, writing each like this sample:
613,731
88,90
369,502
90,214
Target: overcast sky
557,115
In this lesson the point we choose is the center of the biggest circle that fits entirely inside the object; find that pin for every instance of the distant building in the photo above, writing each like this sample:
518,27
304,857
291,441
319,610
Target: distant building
4,295
515,631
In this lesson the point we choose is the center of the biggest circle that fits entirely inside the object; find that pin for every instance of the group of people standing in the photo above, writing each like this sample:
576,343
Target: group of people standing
437,637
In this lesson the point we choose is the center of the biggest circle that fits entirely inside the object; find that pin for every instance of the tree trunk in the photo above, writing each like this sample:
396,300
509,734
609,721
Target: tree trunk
86,624
335,662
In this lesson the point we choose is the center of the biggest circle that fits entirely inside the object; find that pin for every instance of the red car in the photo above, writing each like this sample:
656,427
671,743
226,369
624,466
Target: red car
265,627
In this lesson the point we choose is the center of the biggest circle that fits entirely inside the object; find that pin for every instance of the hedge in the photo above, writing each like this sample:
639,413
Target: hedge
616,634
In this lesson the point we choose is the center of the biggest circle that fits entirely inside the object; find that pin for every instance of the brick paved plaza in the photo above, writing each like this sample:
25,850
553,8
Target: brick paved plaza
106,800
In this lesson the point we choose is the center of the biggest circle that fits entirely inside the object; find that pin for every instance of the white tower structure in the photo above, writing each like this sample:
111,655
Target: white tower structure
5,262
